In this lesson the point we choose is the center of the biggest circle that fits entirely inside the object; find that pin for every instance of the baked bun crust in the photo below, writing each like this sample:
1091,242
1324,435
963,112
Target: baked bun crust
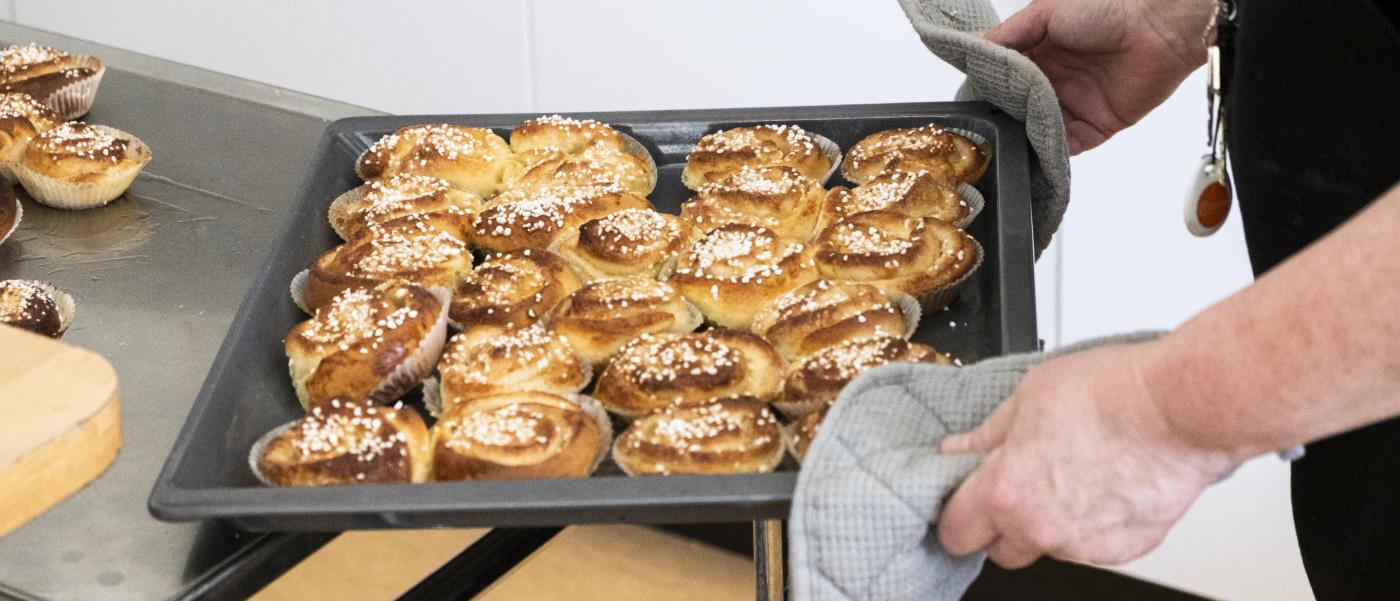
802,431
555,150
721,153
823,314
367,343
22,118
517,436
28,306
472,159
727,436
65,82
816,382
556,133
922,257
383,200
736,269
428,250
778,198
486,360
630,242
76,165
604,315
347,442
513,289
656,371
946,155
917,194
535,219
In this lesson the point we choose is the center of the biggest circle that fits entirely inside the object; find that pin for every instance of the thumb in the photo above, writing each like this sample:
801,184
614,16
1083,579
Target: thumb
1023,30
985,437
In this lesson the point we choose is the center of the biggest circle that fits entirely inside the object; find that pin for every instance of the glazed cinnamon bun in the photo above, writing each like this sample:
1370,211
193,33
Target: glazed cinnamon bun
727,436
736,269
79,166
913,193
655,371
535,219
778,198
428,250
346,442
602,316
723,152
922,257
486,360
512,290
630,242
520,436
22,118
815,383
802,431
947,155
383,200
471,159
823,314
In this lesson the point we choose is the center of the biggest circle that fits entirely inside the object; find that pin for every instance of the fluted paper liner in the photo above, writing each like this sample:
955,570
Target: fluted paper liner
974,200
75,100
945,295
634,147
18,207
260,446
62,301
62,194
298,290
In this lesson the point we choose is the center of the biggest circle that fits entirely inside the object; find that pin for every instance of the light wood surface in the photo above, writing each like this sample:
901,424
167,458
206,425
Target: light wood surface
60,423
582,563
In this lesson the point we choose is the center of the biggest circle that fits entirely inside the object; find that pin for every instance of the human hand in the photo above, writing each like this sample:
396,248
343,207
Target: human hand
1081,463
1110,61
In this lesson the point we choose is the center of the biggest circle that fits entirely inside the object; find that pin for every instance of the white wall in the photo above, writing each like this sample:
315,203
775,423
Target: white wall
1122,262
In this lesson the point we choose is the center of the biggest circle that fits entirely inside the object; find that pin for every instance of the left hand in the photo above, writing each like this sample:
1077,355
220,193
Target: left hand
1081,464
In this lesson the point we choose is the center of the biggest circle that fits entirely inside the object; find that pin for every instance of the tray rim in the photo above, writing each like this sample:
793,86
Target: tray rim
761,496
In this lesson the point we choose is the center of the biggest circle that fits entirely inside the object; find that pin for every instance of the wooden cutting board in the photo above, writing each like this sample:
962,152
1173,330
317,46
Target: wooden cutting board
60,424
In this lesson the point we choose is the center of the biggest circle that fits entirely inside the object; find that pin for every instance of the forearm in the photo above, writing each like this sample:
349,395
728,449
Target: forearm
1310,350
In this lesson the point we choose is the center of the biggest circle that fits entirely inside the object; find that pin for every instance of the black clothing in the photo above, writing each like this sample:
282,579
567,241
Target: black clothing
1313,127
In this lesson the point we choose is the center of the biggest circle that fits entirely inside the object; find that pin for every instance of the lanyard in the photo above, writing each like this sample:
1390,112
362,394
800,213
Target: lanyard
1209,199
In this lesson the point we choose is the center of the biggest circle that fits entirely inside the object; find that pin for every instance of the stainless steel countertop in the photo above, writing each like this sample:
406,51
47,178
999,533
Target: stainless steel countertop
157,277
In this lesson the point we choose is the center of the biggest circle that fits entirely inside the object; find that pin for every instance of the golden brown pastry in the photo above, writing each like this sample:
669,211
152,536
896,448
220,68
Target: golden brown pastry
917,194
778,198
472,159
64,82
11,211
487,360
604,315
815,383
429,250
78,166
22,118
346,442
383,200
655,371
721,153
535,219
727,436
630,242
35,306
555,150
556,133
823,314
368,343
922,257
947,155
520,436
514,289
802,431
736,269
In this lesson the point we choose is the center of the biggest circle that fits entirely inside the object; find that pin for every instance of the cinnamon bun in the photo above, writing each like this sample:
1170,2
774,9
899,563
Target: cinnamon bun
512,290
602,316
78,166
736,269
922,257
947,155
630,242
487,360
381,201
723,152
778,198
22,118
520,436
913,193
64,82
823,314
471,159
816,382
536,218
429,250
655,371
802,431
35,306
346,442
727,436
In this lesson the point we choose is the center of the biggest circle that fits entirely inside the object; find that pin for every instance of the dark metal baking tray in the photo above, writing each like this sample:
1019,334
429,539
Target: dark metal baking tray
247,391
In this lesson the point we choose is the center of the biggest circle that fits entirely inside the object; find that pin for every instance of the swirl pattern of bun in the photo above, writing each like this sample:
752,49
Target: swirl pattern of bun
22,118
728,436
948,156
604,315
76,165
778,198
736,269
721,153
429,250
28,306
802,431
471,159
367,343
485,360
656,371
917,194
817,381
383,200
922,257
348,443
823,314
629,242
536,219
518,436
557,150
513,289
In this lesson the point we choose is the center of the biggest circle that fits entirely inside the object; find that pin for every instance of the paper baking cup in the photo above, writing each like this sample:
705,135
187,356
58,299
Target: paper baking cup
432,396
298,290
981,142
411,371
16,213
75,100
256,452
831,150
909,306
338,205
62,301
768,466
797,409
635,148
974,200
592,408
944,296
62,194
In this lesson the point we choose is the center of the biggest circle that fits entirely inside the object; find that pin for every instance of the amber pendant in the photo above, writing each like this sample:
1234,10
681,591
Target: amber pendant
1209,198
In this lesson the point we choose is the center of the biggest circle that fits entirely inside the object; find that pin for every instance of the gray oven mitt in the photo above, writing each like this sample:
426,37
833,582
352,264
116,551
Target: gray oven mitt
1005,78
873,482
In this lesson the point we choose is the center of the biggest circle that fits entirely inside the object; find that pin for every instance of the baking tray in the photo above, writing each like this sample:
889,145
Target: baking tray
248,392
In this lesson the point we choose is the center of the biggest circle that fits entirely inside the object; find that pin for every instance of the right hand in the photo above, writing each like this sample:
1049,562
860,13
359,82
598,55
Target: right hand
1110,61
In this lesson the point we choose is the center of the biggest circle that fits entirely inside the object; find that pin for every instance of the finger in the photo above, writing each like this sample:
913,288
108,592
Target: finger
1022,30
1011,553
964,526
985,437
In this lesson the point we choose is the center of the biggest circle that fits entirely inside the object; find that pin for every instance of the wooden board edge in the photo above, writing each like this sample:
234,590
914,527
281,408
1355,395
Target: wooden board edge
60,468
